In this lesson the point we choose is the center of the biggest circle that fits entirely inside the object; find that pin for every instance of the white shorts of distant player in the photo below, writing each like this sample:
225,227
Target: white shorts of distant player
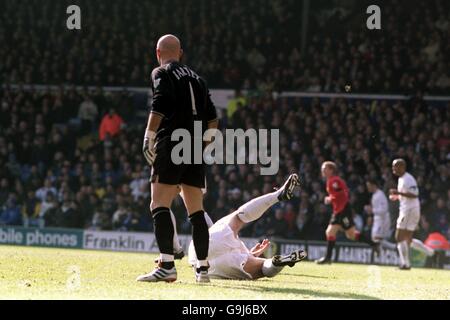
381,228
227,255
408,219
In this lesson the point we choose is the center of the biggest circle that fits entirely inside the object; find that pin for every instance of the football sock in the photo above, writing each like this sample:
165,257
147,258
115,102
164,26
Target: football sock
403,251
200,237
164,232
176,242
201,268
255,208
419,245
331,241
167,264
269,270
400,254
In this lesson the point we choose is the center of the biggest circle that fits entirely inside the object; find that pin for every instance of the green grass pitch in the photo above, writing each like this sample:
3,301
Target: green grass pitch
49,273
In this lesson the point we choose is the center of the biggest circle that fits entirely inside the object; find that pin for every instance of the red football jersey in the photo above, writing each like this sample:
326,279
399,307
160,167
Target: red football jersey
338,192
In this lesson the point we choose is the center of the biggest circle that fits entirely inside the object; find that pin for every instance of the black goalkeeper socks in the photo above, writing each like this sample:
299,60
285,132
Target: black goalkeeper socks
167,265
202,269
200,234
163,230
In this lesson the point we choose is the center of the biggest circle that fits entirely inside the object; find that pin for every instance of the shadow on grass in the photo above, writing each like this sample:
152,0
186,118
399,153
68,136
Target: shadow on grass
308,292
304,275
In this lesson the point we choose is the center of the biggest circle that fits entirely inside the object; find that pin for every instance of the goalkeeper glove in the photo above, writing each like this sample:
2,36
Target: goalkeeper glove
148,147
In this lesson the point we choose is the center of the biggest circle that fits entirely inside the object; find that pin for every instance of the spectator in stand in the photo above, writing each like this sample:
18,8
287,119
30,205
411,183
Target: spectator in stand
87,113
139,186
120,215
237,102
10,214
439,217
47,214
311,130
302,219
278,226
110,125
42,192
140,207
131,221
67,216
30,210
290,218
101,220
410,53
4,191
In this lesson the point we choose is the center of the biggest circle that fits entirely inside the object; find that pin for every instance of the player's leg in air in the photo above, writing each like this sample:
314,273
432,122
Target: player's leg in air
228,256
255,266
422,247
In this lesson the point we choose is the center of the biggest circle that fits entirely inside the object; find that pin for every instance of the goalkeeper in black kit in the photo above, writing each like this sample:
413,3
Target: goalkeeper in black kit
180,99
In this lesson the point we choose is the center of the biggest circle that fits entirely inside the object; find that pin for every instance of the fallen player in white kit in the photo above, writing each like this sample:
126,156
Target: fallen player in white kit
229,258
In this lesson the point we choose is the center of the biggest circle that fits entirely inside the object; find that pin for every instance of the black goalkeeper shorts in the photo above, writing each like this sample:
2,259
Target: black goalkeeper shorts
344,218
165,171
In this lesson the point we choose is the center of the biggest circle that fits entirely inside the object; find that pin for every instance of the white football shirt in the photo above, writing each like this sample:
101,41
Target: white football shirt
379,202
407,183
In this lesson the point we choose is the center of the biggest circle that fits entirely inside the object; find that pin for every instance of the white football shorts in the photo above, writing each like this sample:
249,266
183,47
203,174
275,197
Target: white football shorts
408,219
381,228
227,255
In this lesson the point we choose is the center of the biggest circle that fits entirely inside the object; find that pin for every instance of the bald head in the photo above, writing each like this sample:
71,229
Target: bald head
399,167
168,48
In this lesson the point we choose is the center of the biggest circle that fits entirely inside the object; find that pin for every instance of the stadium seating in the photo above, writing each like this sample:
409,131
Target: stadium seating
45,149
56,170
232,44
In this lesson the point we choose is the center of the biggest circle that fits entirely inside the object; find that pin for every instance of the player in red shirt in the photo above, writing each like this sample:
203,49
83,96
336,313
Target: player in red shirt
341,219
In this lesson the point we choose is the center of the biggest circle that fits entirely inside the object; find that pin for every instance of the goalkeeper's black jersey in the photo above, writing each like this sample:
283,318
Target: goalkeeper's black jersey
181,97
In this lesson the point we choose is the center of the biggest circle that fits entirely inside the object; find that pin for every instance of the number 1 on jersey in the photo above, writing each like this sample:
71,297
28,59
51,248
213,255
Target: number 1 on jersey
194,110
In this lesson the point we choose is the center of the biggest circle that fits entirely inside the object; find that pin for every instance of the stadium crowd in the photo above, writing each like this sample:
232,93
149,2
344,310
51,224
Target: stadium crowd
62,160
231,43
